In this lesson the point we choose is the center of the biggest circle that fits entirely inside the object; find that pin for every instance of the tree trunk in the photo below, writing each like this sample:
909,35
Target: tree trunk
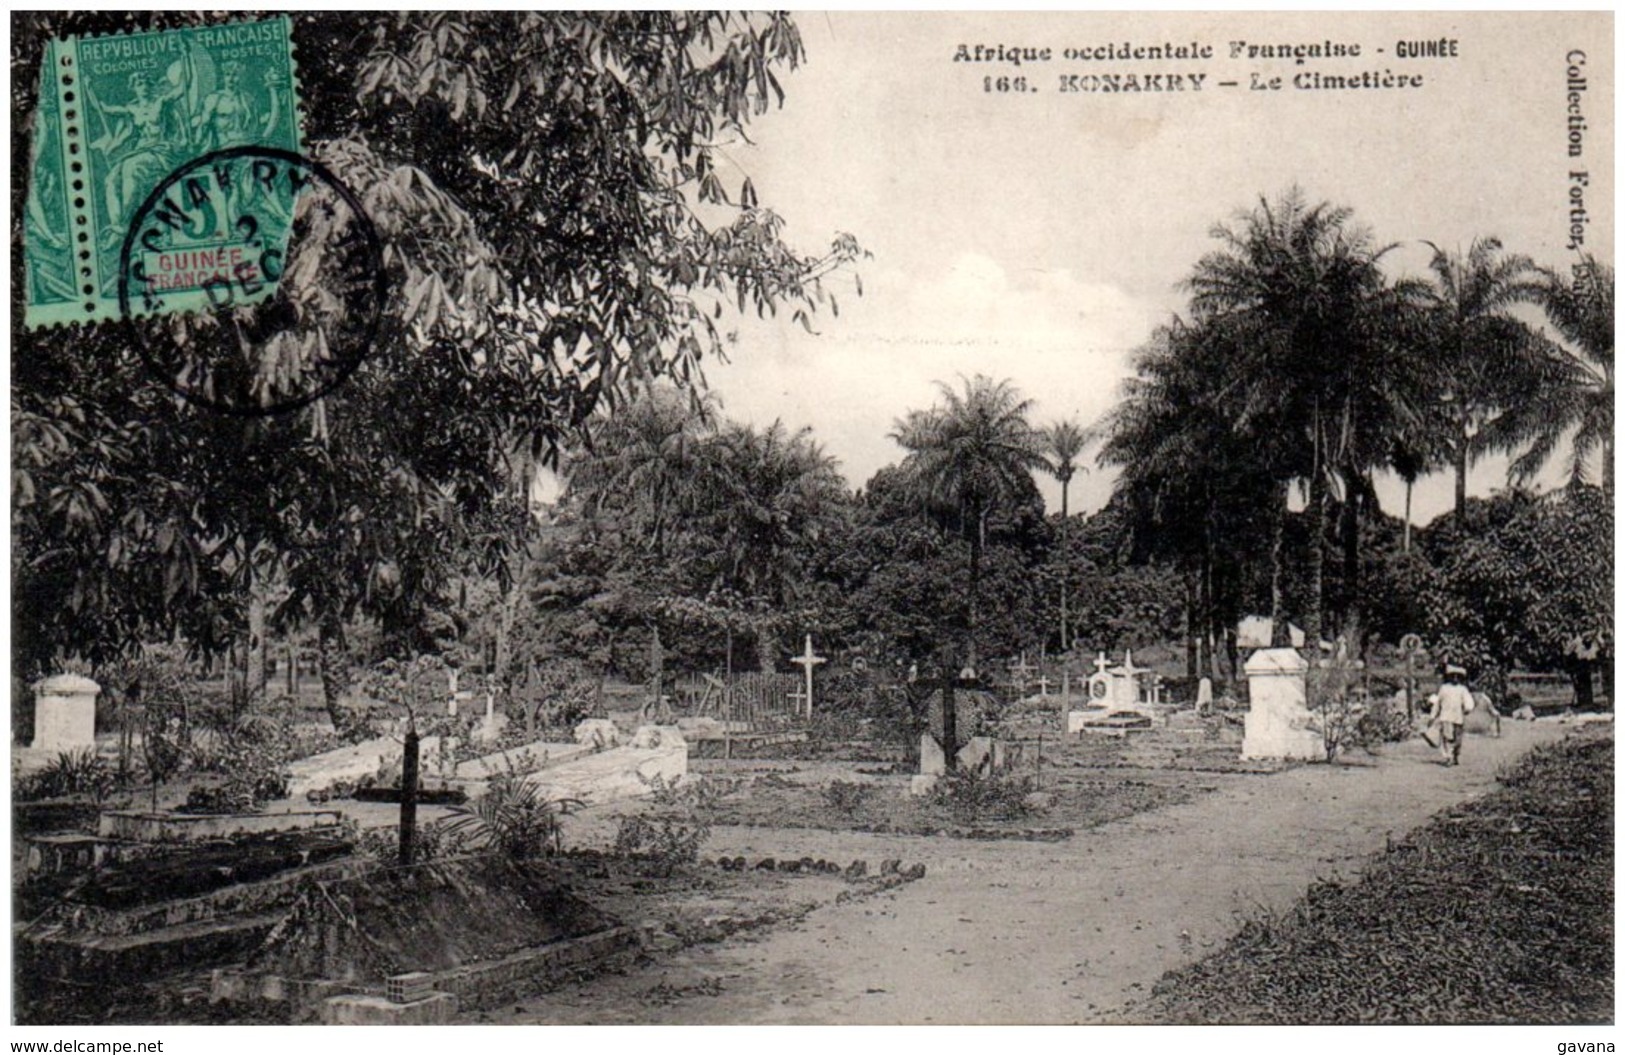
1580,674
508,617
1192,658
1461,474
974,621
1280,636
255,688
1066,558
334,657
1316,559
1316,556
1405,545
950,719
767,647
1353,609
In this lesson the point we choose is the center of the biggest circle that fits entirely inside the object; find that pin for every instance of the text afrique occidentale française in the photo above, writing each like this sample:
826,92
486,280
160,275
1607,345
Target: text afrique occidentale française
1194,66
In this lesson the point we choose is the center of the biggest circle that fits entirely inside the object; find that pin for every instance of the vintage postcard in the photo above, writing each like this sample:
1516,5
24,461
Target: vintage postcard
850,518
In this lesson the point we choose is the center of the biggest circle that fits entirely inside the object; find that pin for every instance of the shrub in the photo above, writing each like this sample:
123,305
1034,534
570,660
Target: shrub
513,817
430,842
668,840
846,797
80,772
969,796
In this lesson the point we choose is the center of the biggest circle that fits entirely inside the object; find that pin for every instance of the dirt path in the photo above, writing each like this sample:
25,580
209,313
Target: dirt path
1042,933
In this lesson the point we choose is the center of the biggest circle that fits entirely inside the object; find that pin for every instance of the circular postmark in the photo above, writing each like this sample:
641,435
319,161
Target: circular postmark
254,281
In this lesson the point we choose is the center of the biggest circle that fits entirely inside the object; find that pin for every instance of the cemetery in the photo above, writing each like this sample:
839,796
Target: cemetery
458,631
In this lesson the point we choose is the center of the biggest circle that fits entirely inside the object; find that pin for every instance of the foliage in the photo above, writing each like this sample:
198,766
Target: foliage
80,772
969,796
671,842
846,797
1531,590
514,817
430,842
556,236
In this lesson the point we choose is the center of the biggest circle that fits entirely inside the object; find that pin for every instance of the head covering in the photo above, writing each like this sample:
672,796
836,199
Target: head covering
1453,669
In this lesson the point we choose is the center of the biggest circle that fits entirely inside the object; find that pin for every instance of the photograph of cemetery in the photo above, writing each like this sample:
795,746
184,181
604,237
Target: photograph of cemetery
817,537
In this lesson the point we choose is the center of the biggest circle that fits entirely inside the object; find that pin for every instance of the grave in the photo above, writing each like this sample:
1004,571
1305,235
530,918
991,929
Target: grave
980,754
621,772
1279,723
539,754
65,714
1117,693
319,773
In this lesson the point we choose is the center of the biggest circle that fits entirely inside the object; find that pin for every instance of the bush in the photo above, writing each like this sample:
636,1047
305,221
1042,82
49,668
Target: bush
80,772
669,841
969,796
846,797
430,842
513,817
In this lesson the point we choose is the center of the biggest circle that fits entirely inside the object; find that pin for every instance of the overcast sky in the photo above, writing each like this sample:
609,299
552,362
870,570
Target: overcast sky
1040,237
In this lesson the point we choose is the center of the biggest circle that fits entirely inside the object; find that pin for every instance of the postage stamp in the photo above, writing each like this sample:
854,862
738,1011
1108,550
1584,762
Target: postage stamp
117,116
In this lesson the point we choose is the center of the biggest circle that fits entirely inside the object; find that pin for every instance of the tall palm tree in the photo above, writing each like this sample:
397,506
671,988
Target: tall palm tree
1574,392
966,455
1298,288
1063,442
1486,356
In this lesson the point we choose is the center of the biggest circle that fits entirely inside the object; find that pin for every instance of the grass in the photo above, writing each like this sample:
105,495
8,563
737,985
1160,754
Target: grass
1499,911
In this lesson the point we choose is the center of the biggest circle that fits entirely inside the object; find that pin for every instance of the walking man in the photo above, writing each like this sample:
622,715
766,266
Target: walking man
1450,712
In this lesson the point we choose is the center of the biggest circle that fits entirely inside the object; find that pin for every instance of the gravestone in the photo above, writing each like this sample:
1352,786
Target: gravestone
1204,695
1279,723
65,713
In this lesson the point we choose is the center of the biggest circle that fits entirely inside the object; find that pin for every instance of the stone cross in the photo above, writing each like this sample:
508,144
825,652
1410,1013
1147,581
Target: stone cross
1102,663
1043,685
807,661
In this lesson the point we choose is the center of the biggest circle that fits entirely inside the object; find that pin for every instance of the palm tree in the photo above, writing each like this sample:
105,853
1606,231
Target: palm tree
640,474
1574,392
1194,477
966,455
1063,442
1297,288
642,462
772,494
1485,355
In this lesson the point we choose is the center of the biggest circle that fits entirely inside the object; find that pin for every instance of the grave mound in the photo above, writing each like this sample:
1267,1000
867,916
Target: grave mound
433,917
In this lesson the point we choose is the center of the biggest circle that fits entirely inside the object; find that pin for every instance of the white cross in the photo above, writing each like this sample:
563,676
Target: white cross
807,661
1043,686
1101,663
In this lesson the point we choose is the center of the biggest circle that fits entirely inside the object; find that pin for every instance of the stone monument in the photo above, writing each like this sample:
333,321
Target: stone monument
1279,723
65,713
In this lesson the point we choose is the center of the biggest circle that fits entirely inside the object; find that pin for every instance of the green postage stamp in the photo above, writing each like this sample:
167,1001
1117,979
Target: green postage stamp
117,117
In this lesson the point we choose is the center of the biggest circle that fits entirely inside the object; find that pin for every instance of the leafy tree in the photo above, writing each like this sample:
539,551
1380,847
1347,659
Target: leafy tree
557,237
1529,584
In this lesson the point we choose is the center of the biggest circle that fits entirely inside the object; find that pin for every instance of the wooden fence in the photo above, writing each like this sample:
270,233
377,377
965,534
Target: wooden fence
763,702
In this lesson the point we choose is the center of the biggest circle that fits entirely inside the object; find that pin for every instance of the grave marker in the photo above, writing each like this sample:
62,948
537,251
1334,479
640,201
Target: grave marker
807,661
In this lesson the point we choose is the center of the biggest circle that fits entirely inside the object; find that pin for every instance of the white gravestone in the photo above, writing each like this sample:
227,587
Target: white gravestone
1279,723
65,713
